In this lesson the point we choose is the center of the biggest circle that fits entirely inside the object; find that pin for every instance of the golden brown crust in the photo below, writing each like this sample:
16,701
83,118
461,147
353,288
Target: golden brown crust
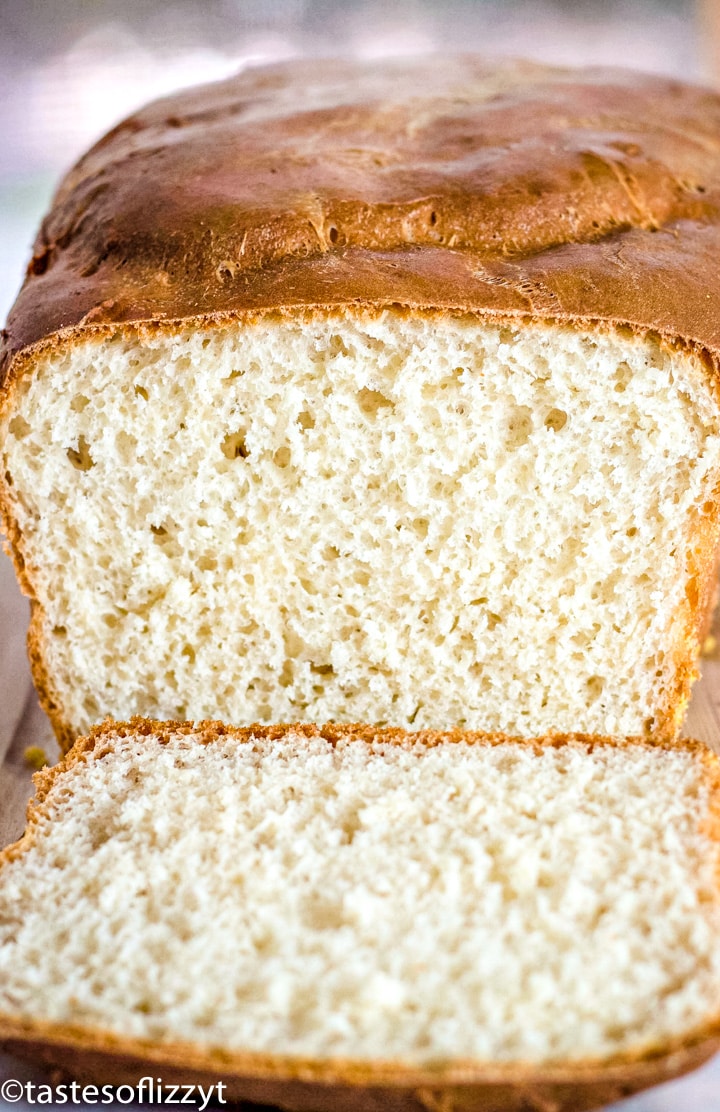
91,1054
502,188
702,562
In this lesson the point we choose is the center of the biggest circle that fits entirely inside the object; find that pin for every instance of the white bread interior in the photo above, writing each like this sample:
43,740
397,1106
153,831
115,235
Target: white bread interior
373,899
405,519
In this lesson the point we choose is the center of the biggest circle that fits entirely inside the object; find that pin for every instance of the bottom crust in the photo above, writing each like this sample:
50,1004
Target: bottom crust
301,1085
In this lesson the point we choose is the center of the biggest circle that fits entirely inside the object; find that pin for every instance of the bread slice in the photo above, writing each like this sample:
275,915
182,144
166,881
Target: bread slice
375,392
339,917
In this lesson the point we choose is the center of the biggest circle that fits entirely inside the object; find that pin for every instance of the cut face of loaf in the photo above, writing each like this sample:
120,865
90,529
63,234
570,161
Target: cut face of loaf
368,907
389,518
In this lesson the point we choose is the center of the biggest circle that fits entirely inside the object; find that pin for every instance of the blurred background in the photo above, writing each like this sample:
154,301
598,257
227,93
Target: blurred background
69,69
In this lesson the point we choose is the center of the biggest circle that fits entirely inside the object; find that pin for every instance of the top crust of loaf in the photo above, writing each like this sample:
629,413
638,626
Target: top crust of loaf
506,189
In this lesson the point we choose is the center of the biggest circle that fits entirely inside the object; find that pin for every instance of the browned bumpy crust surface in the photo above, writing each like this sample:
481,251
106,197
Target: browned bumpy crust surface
501,188
342,1085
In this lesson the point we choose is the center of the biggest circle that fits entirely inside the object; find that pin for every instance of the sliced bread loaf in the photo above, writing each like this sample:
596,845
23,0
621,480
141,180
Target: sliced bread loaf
357,918
375,392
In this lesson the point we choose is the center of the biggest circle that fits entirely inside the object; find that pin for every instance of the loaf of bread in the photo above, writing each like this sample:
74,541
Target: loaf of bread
375,392
360,918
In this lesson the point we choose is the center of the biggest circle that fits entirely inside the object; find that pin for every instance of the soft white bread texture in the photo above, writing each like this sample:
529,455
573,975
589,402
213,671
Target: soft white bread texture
353,903
412,519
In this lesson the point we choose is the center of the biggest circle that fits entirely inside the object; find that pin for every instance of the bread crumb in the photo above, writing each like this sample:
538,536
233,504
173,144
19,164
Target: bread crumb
489,583
36,757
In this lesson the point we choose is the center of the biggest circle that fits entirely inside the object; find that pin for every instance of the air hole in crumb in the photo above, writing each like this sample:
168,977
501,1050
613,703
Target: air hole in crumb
631,532
333,234
623,374
79,403
478,601
234,447
362,578
59,631
141,392
265,712
595,685
110,620
420,527
207,563
493,620
337,346
414,714
520,427
306,420
349,827
286,677
282,457
556,420
189,652
322,669
331,552
19,427
126,446
433,219
371,401
80,457
294,645
165,537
